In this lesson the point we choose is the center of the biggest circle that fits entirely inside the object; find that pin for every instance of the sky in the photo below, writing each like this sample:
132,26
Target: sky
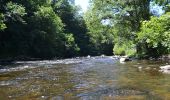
156,10
83,4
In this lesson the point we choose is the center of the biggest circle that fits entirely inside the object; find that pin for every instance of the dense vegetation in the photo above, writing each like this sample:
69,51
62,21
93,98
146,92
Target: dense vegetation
56,28
41,29
154,36
121,23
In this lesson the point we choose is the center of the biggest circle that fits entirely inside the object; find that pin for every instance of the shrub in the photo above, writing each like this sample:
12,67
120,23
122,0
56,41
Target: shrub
128,48
155,33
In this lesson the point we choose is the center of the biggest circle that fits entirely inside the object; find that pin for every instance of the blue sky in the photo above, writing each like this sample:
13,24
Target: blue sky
156,10
83,4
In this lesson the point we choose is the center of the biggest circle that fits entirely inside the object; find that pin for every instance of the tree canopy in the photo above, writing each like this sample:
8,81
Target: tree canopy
57,29
155,34
121,20
41,29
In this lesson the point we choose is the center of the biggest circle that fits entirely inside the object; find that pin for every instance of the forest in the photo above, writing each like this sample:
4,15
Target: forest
58,29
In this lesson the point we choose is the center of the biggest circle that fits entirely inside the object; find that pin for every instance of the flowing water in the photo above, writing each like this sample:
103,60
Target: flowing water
98,78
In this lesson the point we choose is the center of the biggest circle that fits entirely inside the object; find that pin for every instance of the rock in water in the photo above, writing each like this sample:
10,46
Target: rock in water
165,69
88,56
102,56
124,59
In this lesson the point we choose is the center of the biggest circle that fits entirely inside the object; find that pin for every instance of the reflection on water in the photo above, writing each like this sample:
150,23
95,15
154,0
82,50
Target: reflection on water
84,79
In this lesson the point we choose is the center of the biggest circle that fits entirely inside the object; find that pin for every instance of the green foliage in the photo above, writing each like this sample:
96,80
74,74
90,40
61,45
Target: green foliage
71,47
113,21
127,48
2,25
101,35
119,50
42,29
11,38
156,35
161,2
47,29
73,23
15,11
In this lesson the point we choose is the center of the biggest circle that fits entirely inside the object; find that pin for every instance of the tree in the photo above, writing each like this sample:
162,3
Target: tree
47,36
73,24
11,37
121,16
155,36
34,29
101,33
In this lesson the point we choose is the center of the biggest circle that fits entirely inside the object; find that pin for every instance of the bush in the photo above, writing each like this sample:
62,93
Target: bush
71,47
119,50
156,35
127,48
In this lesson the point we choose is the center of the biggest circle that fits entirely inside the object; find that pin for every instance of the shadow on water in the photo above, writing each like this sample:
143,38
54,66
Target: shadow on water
96,78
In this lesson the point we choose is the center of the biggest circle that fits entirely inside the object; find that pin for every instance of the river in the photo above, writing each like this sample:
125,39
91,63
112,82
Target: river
95,78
